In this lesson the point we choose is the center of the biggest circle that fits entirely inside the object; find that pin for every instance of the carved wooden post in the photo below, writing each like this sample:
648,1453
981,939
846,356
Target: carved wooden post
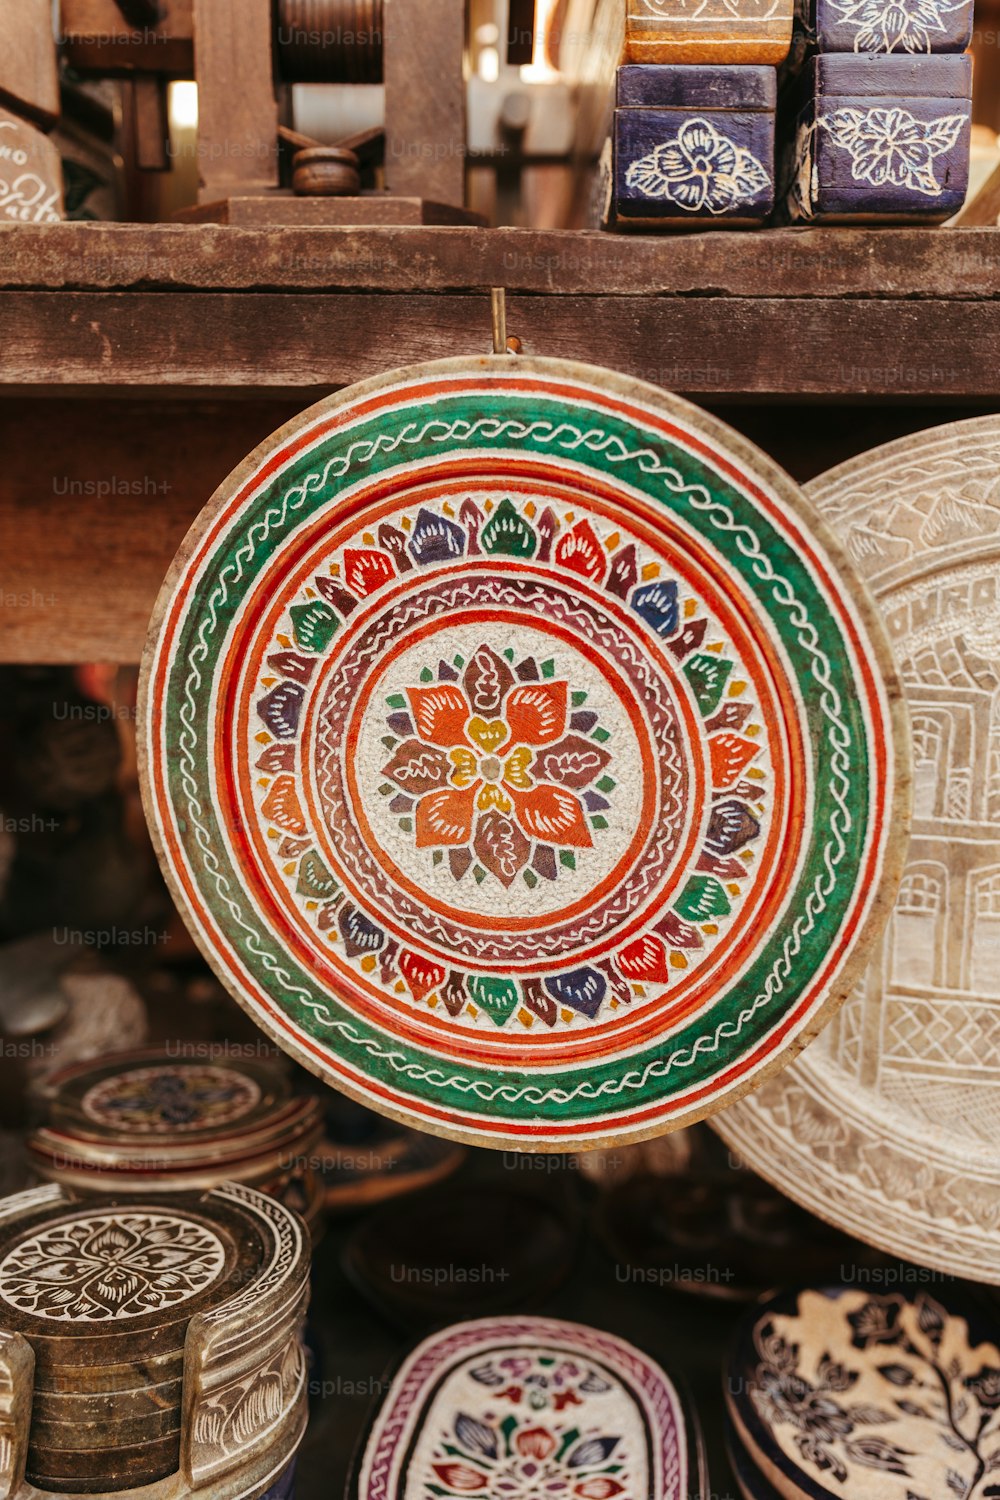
424,59
237,110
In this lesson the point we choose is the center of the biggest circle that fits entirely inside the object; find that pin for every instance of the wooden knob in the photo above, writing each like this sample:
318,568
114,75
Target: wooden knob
325,172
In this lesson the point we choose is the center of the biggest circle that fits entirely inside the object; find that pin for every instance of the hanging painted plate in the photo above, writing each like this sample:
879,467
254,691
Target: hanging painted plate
521,754
889,1125
519,1407
882,1395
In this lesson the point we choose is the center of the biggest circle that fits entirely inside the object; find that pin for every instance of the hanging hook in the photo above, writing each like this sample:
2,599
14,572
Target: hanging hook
498,316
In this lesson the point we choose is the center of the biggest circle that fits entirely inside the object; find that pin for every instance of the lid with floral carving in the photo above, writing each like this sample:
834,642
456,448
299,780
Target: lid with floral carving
879,1395
521,752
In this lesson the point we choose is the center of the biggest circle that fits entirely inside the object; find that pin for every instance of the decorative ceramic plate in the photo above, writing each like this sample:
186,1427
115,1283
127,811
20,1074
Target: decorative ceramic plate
521,754
890,1125
513,1408
873,1396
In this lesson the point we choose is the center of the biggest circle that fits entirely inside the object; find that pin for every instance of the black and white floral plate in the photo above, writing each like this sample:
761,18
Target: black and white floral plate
868,1394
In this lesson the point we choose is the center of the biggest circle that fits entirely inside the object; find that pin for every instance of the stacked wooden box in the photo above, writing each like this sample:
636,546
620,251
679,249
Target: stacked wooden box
881,119
150,1121
694,127
153,1342
875,119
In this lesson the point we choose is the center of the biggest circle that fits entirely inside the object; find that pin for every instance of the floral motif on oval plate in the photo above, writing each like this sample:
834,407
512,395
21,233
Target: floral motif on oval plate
529,1409
508,738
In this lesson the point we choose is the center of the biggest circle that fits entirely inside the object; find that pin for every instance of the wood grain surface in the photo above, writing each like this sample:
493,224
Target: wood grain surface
702,346
792,263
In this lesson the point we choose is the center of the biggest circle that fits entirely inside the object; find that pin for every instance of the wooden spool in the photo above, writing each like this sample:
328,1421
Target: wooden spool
326,172
330,41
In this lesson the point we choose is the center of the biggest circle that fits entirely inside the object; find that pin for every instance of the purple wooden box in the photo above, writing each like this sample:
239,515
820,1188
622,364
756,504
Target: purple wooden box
880,139
891,26
693,147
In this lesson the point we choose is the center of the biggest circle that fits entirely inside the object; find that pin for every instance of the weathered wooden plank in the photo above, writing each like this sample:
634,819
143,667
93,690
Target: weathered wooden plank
285,209
98,36
794,263
764,347
93,507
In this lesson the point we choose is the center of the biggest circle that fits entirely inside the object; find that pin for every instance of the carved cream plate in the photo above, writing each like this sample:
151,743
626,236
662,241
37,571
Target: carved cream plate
889,1126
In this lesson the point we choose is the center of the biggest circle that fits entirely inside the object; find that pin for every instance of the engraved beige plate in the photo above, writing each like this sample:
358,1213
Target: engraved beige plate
888,1126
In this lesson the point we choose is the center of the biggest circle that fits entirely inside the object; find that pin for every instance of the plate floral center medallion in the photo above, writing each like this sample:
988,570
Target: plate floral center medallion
518,812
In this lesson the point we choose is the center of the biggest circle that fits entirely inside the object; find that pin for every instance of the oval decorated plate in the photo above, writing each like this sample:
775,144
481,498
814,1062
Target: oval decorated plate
521,752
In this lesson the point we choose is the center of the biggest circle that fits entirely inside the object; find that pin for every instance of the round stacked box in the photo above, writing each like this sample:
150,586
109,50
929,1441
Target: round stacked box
104,1292
151,1121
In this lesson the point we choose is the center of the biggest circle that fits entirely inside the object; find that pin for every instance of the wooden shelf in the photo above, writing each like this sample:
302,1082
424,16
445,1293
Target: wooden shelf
242,328
785,314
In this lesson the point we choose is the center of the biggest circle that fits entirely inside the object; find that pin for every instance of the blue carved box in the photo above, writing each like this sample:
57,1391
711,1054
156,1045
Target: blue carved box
693,147
882,139
900,27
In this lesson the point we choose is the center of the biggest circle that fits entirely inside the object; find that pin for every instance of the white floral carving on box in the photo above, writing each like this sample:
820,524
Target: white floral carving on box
895,25
892,147
700,169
